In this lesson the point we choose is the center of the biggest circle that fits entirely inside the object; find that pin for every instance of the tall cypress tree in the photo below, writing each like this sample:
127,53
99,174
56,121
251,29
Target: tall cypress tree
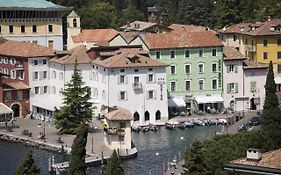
271,114
113,165
194,160
27,166
77,165
77,109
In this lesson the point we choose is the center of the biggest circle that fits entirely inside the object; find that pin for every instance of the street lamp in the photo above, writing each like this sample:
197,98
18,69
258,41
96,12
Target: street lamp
92,139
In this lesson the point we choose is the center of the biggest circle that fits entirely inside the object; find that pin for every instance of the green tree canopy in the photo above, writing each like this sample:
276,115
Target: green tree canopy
131,13
77,109
271,114
99,15
113,165
27,166
77,165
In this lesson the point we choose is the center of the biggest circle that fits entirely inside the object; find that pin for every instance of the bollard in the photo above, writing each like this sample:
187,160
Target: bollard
49,164
53,159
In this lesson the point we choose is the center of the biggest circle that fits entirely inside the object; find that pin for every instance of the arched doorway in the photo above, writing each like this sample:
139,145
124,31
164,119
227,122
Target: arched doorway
231,105
158,115
136,116
16,110
146,116
253,105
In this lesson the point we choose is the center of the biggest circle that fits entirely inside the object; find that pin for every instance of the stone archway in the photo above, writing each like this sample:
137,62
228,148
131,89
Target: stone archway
158,115
136,116
16,107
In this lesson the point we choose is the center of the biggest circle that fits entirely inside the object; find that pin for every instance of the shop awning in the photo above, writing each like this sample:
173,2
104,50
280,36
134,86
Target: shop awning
47,104
208,99
176,102
5,109
277,80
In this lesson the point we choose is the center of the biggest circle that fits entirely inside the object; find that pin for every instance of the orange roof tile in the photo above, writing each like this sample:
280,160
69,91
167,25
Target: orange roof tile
181,40
24,49
95,35
128,58
118,113
254,65
78,53
230,53
188,28
129,36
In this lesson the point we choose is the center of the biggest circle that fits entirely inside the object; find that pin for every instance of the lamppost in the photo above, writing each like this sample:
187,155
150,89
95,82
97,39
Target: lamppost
92,139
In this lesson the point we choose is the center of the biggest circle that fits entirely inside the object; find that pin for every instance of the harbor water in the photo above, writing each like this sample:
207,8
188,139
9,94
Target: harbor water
155,150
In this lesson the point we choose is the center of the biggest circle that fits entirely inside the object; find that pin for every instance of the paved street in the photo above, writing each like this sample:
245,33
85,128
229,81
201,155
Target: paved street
52,135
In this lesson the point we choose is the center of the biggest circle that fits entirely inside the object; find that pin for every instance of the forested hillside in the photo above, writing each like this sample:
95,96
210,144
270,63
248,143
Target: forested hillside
211,13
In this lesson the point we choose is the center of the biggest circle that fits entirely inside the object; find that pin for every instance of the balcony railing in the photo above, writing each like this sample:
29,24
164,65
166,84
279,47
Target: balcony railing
114,131
137,85
19,67
250,48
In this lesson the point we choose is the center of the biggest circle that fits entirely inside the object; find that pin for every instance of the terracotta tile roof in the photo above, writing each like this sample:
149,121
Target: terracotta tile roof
181,40
272,27
188,28
270,159
24,49
231,53
138,26
118,113
129,36
125,58
254,65
78,53
100,36
15,85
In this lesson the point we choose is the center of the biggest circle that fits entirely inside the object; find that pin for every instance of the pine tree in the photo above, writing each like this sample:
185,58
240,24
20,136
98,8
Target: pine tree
271,114
194,160
27,166
131,13
76,110
113,165
77,165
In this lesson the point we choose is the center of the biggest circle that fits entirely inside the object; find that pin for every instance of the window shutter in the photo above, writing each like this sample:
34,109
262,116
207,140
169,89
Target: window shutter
236,68
48,90
33,76
147,95
228,87
40,75
118,79
126,79
154,93
119,96
41,89
126,95
154,78
90,75
228,68
236,87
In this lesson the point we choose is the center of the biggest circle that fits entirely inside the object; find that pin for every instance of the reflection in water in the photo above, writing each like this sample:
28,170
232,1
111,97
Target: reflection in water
165,142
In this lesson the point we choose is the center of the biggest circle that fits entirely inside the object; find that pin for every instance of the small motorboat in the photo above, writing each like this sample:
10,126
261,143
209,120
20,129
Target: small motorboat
136,129
171,125
145,129
181,125
199,122
189,124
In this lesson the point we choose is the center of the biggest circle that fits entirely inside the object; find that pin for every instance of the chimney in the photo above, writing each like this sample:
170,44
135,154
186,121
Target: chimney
253,154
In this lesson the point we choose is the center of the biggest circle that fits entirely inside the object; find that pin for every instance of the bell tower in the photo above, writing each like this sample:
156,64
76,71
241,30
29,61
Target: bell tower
73,27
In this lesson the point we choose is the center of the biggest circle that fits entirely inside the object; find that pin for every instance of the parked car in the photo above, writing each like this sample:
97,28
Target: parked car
255,121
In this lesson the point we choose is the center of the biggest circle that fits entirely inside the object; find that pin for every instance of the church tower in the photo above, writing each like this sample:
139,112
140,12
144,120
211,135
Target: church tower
73,27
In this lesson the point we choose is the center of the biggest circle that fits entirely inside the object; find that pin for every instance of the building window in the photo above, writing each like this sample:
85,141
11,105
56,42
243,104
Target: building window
36,90
150,69
214,52
13,74
187,68
200,68
44,61
22,29
173,54
8,95
201,85
35,62
34,28
6,60
265,43
136,80
234,37
51,44
214,67
13,61
246,41
187,85
231,68
232,87
122,95
214,84
61,76
122,70
200,52
11,29
279,55
173,86
265,55
187,54
150,78
103,95
158,54
136,70
36,76
45,74
19,95
253,85
279,68
45,89
74,22
173,69
54,89
150,94
279,42
50,28
0,29
121,79
21,75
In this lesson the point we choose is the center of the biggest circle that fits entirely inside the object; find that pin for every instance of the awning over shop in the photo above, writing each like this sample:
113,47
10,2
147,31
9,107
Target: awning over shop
47,104
15,86
176,102
5,109
277,80
208,99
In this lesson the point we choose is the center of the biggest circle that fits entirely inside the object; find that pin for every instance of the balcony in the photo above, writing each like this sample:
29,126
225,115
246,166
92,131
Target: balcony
19,67
137,85
114,131
250,48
